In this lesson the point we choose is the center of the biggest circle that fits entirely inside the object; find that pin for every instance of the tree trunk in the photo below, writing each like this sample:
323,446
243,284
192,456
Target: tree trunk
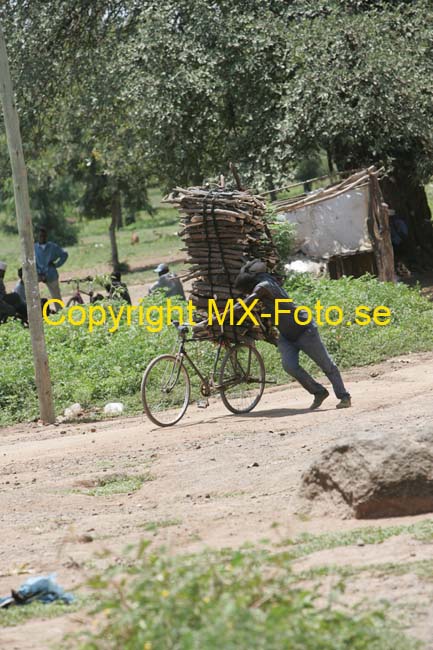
119,219
115,207
22,204
408,198
271,185
378,223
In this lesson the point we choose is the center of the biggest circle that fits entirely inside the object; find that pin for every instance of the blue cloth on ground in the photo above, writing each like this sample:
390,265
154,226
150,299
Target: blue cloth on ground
42,588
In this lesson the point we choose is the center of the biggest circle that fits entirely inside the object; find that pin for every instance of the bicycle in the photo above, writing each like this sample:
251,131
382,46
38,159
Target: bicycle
77,298
166,385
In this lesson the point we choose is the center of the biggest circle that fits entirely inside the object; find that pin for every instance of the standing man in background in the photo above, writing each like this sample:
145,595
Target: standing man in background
49,257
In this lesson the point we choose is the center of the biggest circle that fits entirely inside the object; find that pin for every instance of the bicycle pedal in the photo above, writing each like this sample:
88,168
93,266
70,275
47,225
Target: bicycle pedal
202,403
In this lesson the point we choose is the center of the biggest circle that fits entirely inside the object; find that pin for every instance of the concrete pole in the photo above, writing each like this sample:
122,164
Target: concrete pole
22,205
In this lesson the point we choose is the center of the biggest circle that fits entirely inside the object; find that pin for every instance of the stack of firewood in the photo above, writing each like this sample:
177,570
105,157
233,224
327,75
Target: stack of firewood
221,230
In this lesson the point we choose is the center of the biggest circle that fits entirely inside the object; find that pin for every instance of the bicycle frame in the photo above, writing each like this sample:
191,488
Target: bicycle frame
208,382
77,292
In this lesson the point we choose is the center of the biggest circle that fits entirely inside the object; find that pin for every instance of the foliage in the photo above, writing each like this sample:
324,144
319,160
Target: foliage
175,90
19,615
310,167
347,97
97,367
116,484
283,234
157,238
306,543
229,599
52,197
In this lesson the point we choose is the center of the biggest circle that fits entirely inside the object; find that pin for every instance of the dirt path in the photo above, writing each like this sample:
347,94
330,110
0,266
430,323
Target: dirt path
204,489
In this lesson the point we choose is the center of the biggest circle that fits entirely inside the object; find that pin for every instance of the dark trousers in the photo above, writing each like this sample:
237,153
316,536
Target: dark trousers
310,343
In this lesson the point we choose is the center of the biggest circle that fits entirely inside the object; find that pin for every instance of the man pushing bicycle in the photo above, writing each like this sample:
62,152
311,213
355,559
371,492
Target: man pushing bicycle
296,333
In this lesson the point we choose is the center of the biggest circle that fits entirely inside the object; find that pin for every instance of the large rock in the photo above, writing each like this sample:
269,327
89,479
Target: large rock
370,477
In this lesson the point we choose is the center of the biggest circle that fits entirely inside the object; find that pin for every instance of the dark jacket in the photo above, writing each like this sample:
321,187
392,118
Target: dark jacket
267,290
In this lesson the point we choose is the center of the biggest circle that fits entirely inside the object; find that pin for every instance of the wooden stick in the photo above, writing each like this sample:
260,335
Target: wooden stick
24,219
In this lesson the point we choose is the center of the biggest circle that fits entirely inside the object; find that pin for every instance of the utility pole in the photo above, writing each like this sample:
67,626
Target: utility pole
25,230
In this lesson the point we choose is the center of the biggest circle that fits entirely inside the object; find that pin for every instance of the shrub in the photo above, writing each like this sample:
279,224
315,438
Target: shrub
96,367
228,599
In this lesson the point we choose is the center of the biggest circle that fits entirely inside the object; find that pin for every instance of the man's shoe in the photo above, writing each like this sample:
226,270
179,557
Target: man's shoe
318,399
344,403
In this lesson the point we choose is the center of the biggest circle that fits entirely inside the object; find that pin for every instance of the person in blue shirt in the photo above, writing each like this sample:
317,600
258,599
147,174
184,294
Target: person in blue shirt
49,257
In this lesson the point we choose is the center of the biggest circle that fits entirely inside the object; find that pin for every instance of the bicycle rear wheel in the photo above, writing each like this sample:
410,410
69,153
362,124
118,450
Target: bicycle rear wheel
242,379
165,390
75,300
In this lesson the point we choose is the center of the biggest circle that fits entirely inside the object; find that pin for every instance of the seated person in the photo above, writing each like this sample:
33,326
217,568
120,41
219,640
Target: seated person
10,303
168,282
117,289
19,287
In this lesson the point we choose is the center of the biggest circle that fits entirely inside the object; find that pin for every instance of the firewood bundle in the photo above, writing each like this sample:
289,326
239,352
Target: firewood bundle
221,230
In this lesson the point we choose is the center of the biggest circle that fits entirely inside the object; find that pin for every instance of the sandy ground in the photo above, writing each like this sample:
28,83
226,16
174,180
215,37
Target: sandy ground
203,479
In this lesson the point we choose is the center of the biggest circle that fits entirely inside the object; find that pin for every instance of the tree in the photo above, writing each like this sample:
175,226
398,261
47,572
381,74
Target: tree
176,89
362,91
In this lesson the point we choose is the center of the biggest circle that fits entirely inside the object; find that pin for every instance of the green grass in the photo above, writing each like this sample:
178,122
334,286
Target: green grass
306,543
155,526
97,367
246,598
115,484
423,569
157,235
14,616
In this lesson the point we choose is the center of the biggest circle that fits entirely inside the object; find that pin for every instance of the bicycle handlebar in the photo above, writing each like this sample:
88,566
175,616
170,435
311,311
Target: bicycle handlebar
88,278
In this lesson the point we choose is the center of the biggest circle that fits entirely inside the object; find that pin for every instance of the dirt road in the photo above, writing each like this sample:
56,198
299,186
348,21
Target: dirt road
215,479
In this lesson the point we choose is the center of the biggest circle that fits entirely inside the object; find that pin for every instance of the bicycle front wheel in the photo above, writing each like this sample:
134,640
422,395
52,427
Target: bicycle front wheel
242,379
165,390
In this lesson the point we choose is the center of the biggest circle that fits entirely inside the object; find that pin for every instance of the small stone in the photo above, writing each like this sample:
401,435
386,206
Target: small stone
360,542
253,465
85,539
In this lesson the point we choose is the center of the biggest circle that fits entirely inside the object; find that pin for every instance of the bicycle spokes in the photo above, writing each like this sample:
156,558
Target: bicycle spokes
165,390
242,379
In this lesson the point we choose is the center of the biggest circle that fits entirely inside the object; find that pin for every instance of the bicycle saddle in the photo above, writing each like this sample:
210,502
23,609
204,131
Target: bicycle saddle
182,329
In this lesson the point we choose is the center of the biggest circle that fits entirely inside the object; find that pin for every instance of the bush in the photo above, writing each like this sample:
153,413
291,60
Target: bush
283,234
96,367
50,203
227,599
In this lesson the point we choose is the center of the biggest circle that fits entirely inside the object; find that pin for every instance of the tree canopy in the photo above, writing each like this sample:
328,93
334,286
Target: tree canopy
173,90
